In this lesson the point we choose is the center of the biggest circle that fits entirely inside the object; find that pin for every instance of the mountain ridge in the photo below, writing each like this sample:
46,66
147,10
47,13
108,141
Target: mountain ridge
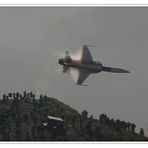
24,118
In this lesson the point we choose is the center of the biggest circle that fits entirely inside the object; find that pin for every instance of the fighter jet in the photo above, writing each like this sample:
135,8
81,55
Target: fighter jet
86,65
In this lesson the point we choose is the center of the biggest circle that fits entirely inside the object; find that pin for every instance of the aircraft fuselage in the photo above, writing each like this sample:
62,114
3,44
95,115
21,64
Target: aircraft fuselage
91,67
85,65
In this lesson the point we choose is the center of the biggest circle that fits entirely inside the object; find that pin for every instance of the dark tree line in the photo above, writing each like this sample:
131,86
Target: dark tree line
118,124
18,96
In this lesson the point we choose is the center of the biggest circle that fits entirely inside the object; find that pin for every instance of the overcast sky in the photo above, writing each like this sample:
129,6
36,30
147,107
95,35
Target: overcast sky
31,40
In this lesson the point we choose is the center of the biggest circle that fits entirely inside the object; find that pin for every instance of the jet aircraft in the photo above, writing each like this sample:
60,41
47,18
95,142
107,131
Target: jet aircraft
86,65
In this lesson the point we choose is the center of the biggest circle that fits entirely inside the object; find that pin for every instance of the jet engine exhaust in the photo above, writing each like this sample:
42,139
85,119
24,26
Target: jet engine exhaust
77,56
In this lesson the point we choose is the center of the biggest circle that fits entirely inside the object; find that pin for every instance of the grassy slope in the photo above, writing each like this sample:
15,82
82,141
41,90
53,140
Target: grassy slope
22,116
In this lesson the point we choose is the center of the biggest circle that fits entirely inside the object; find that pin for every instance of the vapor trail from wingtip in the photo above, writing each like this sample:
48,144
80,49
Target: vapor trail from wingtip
73,72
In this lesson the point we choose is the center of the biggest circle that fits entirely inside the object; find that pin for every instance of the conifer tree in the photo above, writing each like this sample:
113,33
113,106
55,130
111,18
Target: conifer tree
142,132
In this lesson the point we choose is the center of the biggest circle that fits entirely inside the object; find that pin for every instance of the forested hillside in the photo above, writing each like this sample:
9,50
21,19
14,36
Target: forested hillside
23,117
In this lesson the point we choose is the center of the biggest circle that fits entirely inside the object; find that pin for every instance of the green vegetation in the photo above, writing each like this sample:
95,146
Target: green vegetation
24,118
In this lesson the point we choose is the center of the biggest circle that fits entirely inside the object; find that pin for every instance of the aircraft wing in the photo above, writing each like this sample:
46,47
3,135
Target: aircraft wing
86,55
83,74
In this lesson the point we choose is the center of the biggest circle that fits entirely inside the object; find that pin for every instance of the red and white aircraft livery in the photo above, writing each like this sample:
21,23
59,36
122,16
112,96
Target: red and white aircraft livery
86,65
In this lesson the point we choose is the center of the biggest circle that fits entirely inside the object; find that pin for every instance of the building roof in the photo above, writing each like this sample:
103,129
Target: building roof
55,118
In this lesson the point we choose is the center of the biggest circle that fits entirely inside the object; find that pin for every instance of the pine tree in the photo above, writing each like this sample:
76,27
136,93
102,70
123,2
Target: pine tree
133,126
142,132
84,114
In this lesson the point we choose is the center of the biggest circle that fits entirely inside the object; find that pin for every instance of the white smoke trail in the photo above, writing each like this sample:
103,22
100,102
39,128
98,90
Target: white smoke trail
49,72
52,69
74,74
77,56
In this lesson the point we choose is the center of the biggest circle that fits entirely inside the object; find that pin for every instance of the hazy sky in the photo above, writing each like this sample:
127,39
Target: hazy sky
31,40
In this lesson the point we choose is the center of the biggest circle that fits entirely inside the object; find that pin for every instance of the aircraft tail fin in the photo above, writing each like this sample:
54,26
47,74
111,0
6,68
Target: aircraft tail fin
67,57
88,45
67,53
114,70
